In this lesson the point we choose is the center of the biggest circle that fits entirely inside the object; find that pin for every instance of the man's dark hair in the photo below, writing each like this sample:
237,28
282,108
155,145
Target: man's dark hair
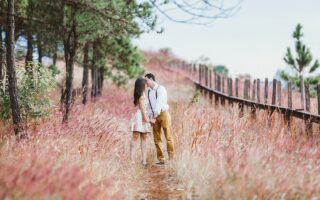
150,76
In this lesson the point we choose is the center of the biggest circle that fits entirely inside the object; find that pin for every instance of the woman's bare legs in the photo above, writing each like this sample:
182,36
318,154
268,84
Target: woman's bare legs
135,137
143,138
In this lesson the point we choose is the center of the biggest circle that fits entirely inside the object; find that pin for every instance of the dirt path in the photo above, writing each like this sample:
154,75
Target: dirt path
160,183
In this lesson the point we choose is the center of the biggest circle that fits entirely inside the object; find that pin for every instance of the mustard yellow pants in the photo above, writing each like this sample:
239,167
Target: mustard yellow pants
163,122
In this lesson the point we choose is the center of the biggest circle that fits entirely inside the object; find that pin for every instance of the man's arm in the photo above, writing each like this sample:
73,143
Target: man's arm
161,100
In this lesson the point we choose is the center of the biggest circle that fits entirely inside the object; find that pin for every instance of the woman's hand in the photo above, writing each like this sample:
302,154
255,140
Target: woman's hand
152,120
145,120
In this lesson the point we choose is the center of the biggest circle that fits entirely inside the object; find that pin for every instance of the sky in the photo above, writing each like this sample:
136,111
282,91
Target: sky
254,41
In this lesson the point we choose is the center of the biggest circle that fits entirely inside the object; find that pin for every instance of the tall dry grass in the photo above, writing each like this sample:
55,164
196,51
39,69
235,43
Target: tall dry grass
218,154
84,159
222,156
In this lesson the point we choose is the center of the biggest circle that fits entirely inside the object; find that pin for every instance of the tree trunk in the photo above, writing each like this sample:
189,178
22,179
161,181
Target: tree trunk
16,115
98,81
303,91
1,56
29,57
94,73
94,76
69,57
92,79
40,54
85,73
54,57
101,78
70,48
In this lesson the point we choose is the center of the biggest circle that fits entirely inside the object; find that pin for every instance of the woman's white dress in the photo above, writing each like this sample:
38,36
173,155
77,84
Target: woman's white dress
137,124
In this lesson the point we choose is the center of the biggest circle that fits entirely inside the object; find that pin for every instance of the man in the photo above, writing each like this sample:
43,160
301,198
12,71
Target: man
157,96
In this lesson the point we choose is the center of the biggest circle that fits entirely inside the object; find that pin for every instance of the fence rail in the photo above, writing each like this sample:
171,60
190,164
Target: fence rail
221,94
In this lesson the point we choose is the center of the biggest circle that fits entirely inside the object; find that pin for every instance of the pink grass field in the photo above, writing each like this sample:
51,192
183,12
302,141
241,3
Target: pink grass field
218,154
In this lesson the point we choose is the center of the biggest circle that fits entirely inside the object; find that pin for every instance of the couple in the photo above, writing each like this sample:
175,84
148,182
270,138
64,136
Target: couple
150,99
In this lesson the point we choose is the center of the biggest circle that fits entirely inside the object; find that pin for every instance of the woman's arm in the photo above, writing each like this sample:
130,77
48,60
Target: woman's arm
145,118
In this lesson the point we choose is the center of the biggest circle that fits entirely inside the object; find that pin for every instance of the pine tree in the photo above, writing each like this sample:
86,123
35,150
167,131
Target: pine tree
302,60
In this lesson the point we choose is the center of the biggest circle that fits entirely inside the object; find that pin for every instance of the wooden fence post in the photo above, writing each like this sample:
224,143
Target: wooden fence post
206,75
290,95
218,82
308,123
246,89
288,114
258,90
241,105
215,81
195,71
253,107
202,77
205,72
199,70
210,78
266,91
274,92
318,94
237,87
207,69
210,85
230,86
254,90
273,100
223,80
215,85
192,74
230,90
279,93
223,89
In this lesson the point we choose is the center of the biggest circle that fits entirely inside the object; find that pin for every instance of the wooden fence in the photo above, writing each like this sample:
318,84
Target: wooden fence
213,85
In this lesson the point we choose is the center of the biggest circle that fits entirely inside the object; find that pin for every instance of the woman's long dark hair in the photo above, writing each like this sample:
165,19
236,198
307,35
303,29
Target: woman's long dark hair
139,87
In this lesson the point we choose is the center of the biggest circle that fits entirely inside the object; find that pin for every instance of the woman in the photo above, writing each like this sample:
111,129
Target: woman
140,123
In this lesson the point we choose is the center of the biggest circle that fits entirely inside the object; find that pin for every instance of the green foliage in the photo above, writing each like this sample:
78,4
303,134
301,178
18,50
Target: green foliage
311,80
54,70
20,54
126,61
110,26
221,69
299,63
304,56
33,92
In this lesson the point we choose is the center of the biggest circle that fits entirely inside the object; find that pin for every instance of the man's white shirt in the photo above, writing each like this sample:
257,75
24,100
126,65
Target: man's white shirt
158,102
